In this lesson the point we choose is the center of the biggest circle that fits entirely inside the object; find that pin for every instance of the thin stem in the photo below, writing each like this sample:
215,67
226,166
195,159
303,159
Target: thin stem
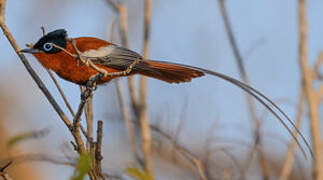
243,74
144,124
311,99
124,40
98,149
291,149
122,12
89,122
28,67
61,92
127,119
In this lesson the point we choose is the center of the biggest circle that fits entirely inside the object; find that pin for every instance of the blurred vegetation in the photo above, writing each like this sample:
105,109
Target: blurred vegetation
198,132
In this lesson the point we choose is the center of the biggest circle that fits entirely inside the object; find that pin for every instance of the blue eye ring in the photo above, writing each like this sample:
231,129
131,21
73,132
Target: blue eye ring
48,46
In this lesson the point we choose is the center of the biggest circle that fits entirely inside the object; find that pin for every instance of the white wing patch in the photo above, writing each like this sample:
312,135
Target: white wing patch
101,52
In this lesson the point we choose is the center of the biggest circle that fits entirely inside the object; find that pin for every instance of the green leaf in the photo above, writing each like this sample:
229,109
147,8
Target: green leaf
24,136
83,167
137,173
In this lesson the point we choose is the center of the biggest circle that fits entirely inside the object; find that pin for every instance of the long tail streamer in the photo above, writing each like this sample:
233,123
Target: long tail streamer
260,97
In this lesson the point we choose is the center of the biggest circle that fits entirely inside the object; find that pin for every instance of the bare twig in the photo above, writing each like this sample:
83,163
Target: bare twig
84,97
291,149
3,172
5,166
113,4
74,128
36,78
17,159
122,12
317,75
86,61
191,157
238,58
143,119
199,167
58,160
61,92
88,91
126,117
131,82
311,99
89,121
98,149
123,107
2,11
319,93
245,79
317,65
30,70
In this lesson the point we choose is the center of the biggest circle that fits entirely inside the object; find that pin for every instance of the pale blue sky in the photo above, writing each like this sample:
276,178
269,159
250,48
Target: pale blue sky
183,31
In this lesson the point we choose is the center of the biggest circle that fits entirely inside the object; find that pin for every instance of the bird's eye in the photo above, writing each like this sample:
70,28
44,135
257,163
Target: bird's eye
48,46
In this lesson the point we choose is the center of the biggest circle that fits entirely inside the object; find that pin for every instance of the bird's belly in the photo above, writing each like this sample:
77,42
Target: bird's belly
80,74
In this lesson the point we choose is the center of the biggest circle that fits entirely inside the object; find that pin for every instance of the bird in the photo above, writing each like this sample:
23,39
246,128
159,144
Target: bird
55,51
110,57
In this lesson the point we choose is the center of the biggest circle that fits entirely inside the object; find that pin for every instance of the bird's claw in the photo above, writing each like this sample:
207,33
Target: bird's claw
85,95
91,85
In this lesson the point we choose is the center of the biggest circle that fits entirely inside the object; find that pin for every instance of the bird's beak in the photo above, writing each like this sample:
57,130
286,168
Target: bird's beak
30,50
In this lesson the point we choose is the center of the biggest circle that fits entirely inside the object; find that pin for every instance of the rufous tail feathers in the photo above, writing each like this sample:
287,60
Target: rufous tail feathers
169,72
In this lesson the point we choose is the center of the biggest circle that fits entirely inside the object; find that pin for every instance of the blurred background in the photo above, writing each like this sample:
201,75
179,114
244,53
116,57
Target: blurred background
206,116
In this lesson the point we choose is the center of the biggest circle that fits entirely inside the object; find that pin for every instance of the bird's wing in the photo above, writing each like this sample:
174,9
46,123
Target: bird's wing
118,58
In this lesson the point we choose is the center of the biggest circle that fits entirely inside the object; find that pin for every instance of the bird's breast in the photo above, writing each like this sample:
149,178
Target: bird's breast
71,69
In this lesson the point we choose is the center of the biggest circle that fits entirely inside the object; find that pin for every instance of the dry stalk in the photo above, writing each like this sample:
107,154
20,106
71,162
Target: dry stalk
35,77
184,152
98,149
73,127
291,149
30,70
3,172
143,118
245,79
317,75
61,92
310,93
59,160
75,132
89,122
122,12
123,107
127,119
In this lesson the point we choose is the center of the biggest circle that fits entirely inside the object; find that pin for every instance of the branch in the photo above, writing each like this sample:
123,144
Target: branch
113,4
2,11
120,93
98,148
143,119
122,12
42,157
291,149
30,70
89,123
191,157
61,92
309,91
127,120
245,79
3,173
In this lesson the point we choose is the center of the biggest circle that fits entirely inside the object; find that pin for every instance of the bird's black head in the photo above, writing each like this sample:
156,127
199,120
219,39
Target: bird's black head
45,44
